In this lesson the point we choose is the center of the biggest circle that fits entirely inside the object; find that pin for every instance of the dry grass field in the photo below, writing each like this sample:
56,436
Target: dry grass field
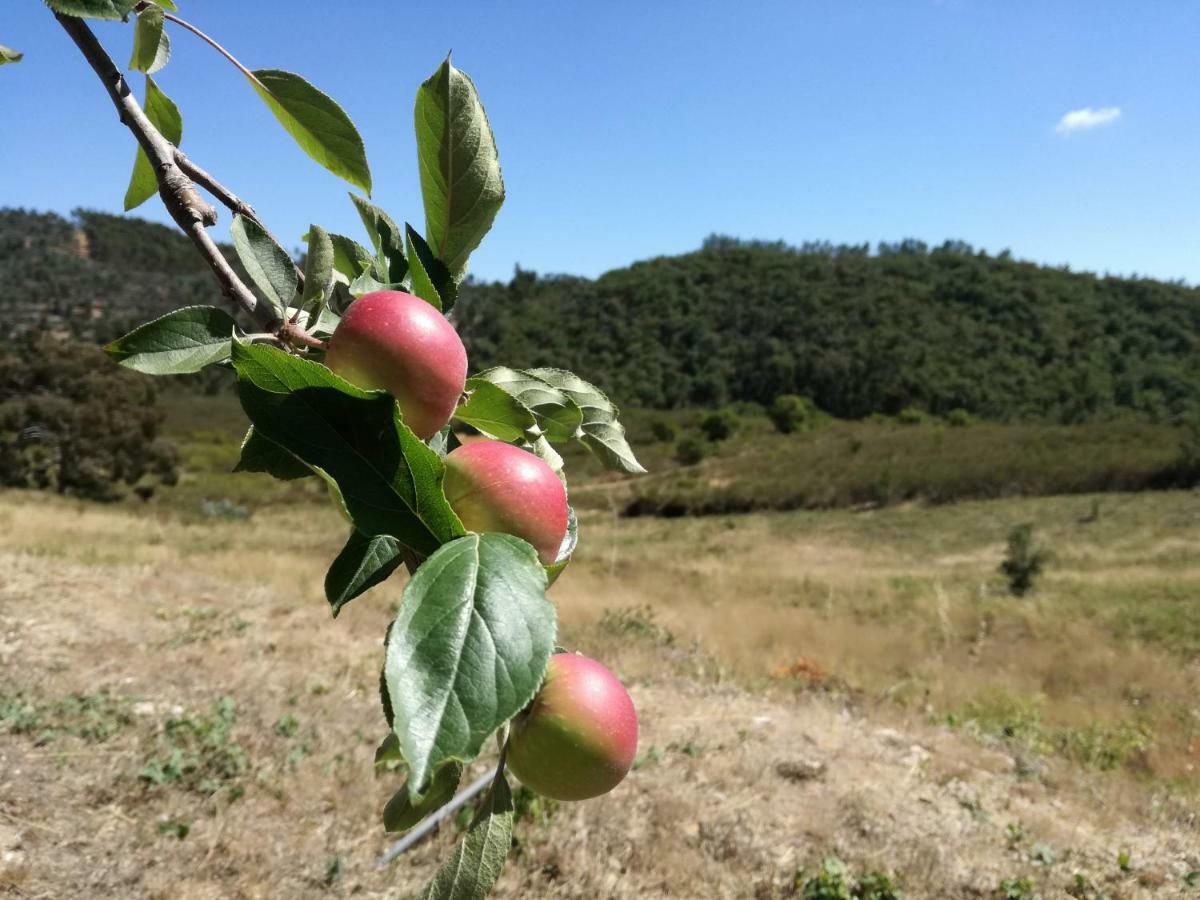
181,718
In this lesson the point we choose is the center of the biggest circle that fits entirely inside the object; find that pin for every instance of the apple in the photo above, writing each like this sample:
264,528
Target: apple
578,737
392,341
494,486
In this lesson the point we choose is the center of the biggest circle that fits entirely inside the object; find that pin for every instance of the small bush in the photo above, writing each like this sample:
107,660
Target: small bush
910,415
719,425
690,451
791,413
1023,561
959,418
664,430
830,884
636,622
1015,889
198,752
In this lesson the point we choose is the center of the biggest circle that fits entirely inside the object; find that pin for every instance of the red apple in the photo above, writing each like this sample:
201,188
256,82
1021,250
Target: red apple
578,737
495,486
396,342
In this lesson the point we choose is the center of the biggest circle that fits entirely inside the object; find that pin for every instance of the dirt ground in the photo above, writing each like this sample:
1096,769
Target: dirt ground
180,718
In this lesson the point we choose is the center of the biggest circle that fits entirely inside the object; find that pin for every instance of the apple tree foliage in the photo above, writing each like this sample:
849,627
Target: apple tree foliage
469,646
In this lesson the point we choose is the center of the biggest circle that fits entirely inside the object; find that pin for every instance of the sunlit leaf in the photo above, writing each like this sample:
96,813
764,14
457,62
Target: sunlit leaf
93,9
269,266
460,168
163,115
151,45
472,872
179,343
468,648
317,123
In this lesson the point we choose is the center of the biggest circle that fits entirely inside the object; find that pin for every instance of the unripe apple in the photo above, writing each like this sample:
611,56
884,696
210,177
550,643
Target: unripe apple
396,342
494,486
578,737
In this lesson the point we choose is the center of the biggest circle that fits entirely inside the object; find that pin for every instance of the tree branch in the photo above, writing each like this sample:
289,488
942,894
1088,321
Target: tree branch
229,200
187,208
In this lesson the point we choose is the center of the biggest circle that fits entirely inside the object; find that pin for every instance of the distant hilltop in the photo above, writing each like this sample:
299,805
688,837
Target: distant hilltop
859,330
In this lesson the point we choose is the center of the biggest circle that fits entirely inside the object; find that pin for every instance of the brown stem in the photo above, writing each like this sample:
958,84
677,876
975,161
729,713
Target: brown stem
191,212
228,199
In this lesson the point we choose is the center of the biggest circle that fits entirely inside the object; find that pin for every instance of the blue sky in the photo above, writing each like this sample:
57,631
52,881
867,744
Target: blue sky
629,130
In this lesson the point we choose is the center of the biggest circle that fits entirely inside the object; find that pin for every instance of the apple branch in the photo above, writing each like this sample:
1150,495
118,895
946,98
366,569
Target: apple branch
191,212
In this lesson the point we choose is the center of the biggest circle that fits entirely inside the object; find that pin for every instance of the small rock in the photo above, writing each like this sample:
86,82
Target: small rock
800,769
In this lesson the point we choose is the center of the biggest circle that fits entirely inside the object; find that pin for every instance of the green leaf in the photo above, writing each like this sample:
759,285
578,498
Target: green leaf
390,265
363,563
167,4
262,455
151,45
269,266
390,480
9,55
402,813
602,433
431,280
443,442
388,751
472,872
367,283
163,115
460,169
558,416
318,124
468,648
318,273
178,343
494,412
350,258
93,9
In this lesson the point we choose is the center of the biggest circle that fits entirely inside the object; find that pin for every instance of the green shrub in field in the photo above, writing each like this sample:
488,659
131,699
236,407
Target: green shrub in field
830,883
719,425
690,451
790,413
850,463
664,430
198,752
1023,560
72,422
910,415
959,418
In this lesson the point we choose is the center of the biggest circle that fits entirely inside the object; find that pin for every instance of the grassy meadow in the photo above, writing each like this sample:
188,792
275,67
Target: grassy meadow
179,716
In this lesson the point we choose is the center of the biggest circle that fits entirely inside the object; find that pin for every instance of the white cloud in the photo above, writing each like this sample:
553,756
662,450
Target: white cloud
1087,118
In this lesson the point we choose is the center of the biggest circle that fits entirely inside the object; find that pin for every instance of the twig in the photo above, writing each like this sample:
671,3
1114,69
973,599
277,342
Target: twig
229,200
187,208
432,821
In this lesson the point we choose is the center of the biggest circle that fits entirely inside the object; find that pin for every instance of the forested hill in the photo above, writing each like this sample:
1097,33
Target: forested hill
96,276
858,331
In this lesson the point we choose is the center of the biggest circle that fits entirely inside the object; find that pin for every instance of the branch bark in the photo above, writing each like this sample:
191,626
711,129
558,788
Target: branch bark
191,212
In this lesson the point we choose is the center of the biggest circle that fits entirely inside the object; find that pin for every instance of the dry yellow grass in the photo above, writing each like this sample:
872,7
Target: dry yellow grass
743,777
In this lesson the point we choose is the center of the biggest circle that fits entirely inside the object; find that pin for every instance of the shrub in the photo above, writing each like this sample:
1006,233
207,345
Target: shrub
830,883
910,415
1023,561
73,422
690,451
719,425
791,413
664,430
959,418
